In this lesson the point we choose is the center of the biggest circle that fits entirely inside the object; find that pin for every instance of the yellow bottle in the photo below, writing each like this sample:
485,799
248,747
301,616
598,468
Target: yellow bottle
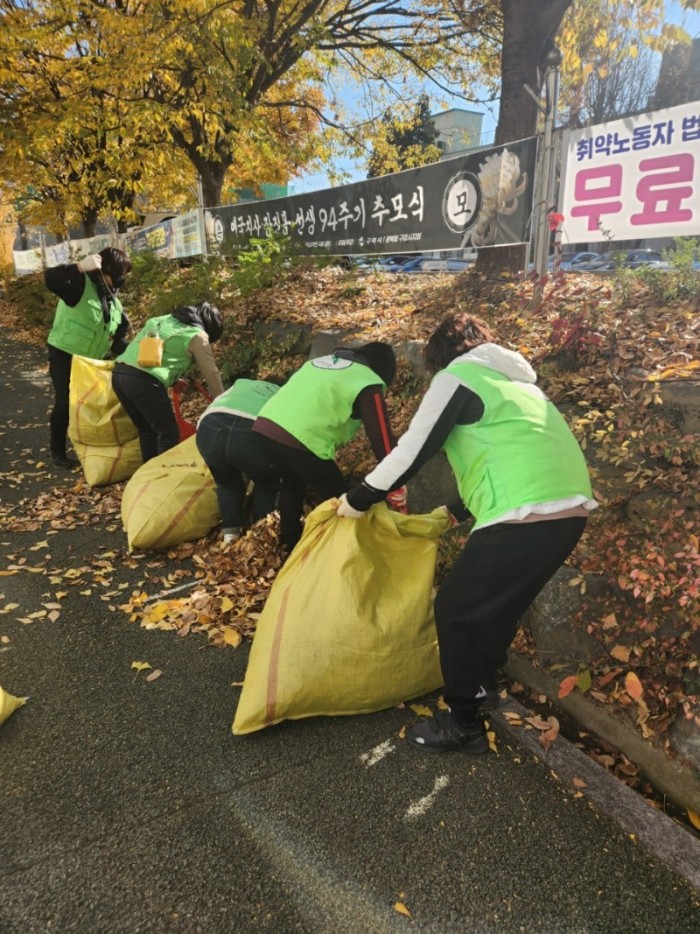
151,349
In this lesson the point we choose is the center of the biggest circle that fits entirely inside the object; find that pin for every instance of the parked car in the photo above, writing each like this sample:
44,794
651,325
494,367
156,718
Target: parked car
626,259
389,263
570,261
392,261
428,264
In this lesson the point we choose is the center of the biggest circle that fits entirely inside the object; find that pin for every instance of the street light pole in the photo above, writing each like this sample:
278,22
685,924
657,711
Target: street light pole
547,178
200,217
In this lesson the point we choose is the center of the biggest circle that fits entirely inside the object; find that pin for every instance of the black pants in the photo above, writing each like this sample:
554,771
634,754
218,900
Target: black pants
234,454
147,403
301,469
59,371
491,584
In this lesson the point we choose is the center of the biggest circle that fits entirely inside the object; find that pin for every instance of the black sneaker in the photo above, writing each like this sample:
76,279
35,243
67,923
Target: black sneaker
442,733
64,460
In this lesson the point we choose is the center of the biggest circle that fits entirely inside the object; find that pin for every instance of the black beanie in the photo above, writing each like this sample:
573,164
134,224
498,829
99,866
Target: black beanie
379,357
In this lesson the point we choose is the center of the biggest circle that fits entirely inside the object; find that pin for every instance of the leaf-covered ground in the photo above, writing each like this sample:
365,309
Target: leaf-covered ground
604,349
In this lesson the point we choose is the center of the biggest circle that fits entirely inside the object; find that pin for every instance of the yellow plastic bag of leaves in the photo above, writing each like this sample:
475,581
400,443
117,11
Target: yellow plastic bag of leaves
348,626
8,704
170,499
104,437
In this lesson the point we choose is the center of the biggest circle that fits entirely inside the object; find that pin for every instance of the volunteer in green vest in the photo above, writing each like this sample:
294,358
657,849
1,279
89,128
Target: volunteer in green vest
319,409
521,473
184,338
236,454
89,321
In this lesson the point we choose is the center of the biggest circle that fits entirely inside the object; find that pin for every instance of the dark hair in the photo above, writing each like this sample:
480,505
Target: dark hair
454,336
115,264
211,319
380,357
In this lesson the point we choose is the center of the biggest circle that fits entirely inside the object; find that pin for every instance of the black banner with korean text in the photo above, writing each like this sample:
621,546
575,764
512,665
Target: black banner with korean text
482,199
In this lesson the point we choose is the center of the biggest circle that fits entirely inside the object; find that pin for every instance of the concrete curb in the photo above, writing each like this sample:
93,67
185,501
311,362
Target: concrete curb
668,841
681,783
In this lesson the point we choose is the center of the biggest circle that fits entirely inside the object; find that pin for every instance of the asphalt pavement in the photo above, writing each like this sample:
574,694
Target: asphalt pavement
128,806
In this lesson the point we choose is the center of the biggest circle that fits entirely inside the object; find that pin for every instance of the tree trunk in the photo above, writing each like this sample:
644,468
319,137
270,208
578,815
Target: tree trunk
528,28
211,171
212,175
89,220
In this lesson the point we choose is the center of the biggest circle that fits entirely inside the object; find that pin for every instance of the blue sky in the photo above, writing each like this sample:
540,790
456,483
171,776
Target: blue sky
690,20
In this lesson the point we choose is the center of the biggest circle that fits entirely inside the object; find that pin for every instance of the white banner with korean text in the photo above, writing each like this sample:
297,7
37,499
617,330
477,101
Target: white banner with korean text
634,178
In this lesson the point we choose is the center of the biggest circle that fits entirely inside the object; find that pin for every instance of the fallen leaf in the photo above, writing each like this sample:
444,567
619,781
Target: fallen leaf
633,685
567,685
402,909
606,679
141,666
579,783
694,819
232,637
421,710
621,653
584,681
537,722
547,738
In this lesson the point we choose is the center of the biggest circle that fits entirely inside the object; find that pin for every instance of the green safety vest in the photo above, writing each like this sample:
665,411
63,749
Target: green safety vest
520,453
81,329
176,339
315,406
245,398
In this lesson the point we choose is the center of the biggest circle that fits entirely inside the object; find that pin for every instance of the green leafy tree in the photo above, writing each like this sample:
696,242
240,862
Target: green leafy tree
405,141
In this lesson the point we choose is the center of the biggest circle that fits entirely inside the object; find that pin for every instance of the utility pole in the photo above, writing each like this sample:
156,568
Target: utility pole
200,217
547,178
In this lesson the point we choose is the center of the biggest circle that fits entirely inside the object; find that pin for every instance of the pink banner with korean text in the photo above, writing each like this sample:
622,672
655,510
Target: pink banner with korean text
634,178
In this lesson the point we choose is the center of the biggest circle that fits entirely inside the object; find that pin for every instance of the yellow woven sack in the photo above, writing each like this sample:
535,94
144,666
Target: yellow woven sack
96,415
348,626
170,499
8,704
110,463
103,436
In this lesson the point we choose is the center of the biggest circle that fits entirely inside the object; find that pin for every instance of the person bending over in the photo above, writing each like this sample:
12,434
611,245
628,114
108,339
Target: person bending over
234,454
521,473
186,336
319,409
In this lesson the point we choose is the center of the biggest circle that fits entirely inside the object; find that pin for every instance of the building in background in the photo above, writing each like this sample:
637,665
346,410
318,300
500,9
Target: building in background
460,130
268,191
